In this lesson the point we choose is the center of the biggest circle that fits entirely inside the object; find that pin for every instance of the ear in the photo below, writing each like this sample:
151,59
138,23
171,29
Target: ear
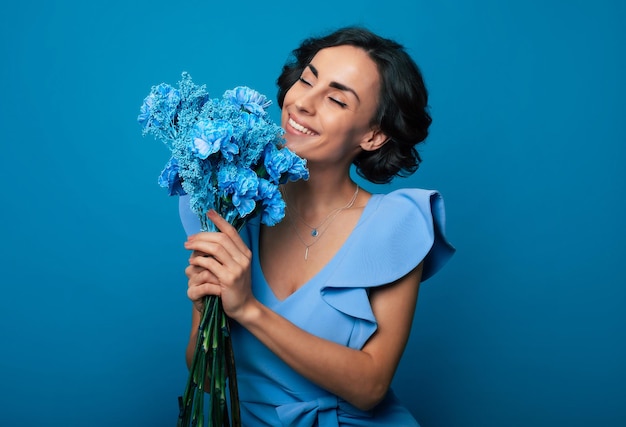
373,140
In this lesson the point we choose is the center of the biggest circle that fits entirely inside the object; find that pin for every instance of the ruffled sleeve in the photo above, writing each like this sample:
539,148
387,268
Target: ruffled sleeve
397,231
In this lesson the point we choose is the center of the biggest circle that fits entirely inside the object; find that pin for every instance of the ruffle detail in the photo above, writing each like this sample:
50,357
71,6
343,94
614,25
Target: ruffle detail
397,232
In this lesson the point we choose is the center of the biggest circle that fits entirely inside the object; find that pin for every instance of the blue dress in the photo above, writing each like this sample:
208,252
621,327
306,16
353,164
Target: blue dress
395,233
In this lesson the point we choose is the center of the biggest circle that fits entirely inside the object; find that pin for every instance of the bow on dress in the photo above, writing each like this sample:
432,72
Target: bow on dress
324,411
305,414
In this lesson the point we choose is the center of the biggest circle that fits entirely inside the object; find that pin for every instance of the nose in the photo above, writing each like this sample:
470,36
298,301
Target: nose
305,102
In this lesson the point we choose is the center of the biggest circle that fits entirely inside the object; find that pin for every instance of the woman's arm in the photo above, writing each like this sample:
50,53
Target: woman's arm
361,377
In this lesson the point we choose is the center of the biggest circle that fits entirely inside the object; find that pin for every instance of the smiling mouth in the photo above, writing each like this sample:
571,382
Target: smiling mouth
300,128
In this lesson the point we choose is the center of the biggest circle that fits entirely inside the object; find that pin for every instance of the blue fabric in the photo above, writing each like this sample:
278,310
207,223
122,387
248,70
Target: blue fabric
395,233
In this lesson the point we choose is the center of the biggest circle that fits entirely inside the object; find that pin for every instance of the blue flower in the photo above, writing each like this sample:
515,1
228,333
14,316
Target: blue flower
159,108
241,185
275,161
211,136
170,95
283,165
248,99
297,169
229,149
170,178
273,210
146,111
250,121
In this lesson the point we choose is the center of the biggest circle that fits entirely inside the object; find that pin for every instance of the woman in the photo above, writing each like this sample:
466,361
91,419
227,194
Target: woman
322,303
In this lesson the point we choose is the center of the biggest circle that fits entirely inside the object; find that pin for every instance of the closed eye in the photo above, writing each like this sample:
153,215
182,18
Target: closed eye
336,101
304,81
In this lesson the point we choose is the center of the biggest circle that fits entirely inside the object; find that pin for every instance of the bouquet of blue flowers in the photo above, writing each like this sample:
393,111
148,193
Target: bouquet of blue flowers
227,155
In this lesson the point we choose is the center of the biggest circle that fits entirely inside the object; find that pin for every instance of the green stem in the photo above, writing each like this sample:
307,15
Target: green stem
232,380
188,398
216,371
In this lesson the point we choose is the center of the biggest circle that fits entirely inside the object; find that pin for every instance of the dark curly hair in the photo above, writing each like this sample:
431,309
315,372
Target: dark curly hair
402,112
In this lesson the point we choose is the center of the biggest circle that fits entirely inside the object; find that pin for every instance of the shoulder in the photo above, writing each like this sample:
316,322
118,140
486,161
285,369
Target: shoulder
398,231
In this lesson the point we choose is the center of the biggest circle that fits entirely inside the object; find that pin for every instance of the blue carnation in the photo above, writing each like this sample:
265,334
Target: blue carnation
170,95
159,108
284,165
146,111
209,136
297,167
248,99
170,178
229,149
273,210
251,121
276,163
241,185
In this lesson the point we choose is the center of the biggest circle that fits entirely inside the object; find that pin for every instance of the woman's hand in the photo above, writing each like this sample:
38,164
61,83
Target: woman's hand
219,265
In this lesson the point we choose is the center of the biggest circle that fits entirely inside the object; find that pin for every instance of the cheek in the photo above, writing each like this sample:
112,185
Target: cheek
290,94
345,127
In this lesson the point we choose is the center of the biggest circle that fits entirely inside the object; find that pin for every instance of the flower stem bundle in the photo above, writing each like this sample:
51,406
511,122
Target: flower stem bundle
213,362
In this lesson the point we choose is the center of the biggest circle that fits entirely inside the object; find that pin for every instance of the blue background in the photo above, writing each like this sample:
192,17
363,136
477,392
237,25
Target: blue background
524,327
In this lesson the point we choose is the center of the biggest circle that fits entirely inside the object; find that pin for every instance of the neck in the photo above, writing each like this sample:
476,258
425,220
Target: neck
317,198
316,230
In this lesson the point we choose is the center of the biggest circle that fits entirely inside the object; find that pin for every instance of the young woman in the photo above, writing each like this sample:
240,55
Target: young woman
322,303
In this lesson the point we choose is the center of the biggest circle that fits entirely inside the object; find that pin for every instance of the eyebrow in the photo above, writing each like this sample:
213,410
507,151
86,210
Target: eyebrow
336,85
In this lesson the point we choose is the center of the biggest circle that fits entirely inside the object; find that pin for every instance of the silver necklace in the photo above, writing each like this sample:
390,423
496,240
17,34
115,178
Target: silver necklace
317,231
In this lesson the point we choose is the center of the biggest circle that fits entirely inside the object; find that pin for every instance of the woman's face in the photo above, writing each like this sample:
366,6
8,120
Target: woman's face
327,114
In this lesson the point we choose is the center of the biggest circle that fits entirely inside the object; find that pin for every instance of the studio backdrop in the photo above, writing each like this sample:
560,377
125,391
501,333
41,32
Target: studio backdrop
524,327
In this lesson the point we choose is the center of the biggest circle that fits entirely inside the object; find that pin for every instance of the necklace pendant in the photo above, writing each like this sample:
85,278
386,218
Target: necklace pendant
315,233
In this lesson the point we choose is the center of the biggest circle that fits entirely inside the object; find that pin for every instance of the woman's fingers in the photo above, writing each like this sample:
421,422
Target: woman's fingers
202,282
228,230
199,274
196,293
215,259
231,253
219,265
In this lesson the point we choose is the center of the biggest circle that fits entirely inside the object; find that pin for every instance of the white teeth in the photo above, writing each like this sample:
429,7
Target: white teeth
299,127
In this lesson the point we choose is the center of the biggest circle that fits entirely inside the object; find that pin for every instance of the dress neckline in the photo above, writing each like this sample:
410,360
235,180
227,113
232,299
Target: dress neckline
265,286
